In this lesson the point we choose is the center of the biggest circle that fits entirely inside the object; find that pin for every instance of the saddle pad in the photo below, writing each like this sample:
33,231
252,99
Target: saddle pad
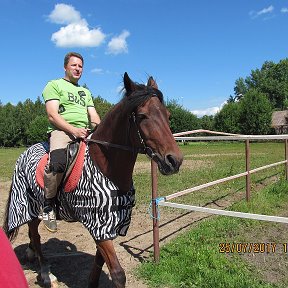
40,170
72,179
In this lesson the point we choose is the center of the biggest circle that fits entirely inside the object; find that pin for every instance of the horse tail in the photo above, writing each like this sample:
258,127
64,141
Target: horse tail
12,234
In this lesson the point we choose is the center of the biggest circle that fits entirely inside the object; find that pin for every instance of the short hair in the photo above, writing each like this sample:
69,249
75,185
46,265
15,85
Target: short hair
72,54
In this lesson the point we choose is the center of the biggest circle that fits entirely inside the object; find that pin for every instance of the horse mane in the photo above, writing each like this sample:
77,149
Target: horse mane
130,101
141,94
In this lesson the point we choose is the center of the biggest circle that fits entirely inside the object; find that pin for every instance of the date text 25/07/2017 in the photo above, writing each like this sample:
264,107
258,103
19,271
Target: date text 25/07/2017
260,247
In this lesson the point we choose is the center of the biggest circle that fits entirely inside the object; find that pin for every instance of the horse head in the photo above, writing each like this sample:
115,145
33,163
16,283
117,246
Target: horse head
139,123
151,122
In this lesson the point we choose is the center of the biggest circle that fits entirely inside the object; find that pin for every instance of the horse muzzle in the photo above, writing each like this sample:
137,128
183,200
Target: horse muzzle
168,165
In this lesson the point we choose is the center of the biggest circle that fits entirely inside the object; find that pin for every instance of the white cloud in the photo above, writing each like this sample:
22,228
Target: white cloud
284,10
264,11
97,71
207,111
119,89
118,44
76,33
64,14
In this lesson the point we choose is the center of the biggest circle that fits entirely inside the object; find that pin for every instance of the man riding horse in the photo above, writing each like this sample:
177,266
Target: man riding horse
70,109
102,199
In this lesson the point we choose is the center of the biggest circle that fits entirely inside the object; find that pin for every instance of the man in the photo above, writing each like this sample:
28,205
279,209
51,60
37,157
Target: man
70,109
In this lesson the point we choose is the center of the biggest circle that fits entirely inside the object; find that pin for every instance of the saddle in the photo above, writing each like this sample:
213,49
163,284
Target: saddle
75,161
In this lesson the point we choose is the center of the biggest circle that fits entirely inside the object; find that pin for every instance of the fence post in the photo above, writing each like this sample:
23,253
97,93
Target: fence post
286,158
248,176
154,211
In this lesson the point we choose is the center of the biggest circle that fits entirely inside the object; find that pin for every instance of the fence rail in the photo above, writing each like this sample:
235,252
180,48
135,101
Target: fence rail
247,174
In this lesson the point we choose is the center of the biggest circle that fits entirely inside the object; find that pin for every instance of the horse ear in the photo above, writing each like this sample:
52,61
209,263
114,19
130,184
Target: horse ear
152,83
128,84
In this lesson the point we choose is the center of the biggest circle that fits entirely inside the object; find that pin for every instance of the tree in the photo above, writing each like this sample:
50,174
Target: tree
231,99
181,119
37,130
102,106
10,126
258,76
207,122
227,119
240,89
271,79
255,113
276,84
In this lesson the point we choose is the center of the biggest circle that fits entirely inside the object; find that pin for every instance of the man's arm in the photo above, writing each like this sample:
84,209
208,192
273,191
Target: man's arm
58,121
93,116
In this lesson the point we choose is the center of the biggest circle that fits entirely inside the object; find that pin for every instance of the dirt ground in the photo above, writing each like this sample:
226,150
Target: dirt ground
71,249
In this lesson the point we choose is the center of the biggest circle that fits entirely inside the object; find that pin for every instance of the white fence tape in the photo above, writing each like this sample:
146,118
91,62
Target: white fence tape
225,212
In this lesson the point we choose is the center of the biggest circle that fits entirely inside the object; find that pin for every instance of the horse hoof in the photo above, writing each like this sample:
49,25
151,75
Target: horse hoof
49,280
30,254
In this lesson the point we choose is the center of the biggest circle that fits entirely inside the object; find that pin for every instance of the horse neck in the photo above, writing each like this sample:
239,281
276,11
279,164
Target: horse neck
115,163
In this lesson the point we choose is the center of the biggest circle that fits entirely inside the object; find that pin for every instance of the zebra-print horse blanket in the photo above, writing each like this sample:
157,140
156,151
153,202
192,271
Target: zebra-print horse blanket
95,202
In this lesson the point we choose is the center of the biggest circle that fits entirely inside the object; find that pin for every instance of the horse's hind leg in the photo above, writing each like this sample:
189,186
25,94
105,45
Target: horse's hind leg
96,270
35,244
106,252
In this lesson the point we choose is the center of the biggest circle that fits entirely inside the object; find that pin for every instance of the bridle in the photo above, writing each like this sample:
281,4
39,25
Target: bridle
142,150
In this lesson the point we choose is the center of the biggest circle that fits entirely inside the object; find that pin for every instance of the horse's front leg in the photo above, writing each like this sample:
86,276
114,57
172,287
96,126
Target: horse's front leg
34,249
106,252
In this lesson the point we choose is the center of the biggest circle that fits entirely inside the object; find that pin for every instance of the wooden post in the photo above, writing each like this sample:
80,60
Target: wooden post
248,176
154,211
286,158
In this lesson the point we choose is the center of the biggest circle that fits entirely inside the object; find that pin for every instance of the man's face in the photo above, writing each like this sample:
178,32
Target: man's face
73,70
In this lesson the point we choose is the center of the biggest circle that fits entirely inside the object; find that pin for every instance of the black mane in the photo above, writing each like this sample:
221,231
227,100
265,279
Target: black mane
138,97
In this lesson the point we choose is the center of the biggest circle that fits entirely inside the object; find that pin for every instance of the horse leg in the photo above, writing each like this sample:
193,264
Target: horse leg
106,252
96,270
35,244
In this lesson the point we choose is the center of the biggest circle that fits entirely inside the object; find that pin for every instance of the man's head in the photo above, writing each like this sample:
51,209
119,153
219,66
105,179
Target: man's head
73,66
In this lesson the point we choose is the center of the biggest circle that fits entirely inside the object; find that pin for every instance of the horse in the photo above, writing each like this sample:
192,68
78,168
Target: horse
104,197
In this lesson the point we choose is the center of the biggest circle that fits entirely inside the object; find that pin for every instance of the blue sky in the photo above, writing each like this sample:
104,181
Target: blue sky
194,49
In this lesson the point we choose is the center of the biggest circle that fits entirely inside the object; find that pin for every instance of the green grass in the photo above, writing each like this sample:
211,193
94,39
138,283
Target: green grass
8,157
194,259
208,162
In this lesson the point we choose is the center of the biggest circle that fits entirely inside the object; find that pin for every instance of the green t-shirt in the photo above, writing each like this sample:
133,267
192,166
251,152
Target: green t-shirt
73,102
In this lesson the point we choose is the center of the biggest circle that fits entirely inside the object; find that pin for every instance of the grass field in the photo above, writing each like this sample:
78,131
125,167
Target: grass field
195,259
8,157
205,162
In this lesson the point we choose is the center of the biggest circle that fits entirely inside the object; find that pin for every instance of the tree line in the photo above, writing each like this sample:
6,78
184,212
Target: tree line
26,123
248,111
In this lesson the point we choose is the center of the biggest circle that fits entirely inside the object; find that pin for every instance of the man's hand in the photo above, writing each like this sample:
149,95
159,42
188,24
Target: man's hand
80,132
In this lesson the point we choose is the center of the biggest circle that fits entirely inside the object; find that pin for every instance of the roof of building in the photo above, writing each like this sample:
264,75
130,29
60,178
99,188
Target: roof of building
279,118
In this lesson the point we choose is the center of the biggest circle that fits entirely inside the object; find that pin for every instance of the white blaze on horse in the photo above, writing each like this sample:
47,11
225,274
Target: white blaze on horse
104,196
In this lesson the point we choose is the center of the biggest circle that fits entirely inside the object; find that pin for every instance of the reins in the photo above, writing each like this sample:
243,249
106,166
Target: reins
118,146
142,150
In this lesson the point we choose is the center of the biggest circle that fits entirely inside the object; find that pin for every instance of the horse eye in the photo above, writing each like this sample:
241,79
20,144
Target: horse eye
141,117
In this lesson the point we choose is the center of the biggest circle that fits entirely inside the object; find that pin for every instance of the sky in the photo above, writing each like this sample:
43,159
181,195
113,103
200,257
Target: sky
194,49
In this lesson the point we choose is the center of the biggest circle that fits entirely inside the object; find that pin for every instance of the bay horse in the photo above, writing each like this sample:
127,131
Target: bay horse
104,196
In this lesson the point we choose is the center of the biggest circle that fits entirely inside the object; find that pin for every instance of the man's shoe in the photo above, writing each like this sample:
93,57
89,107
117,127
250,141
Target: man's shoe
49,219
